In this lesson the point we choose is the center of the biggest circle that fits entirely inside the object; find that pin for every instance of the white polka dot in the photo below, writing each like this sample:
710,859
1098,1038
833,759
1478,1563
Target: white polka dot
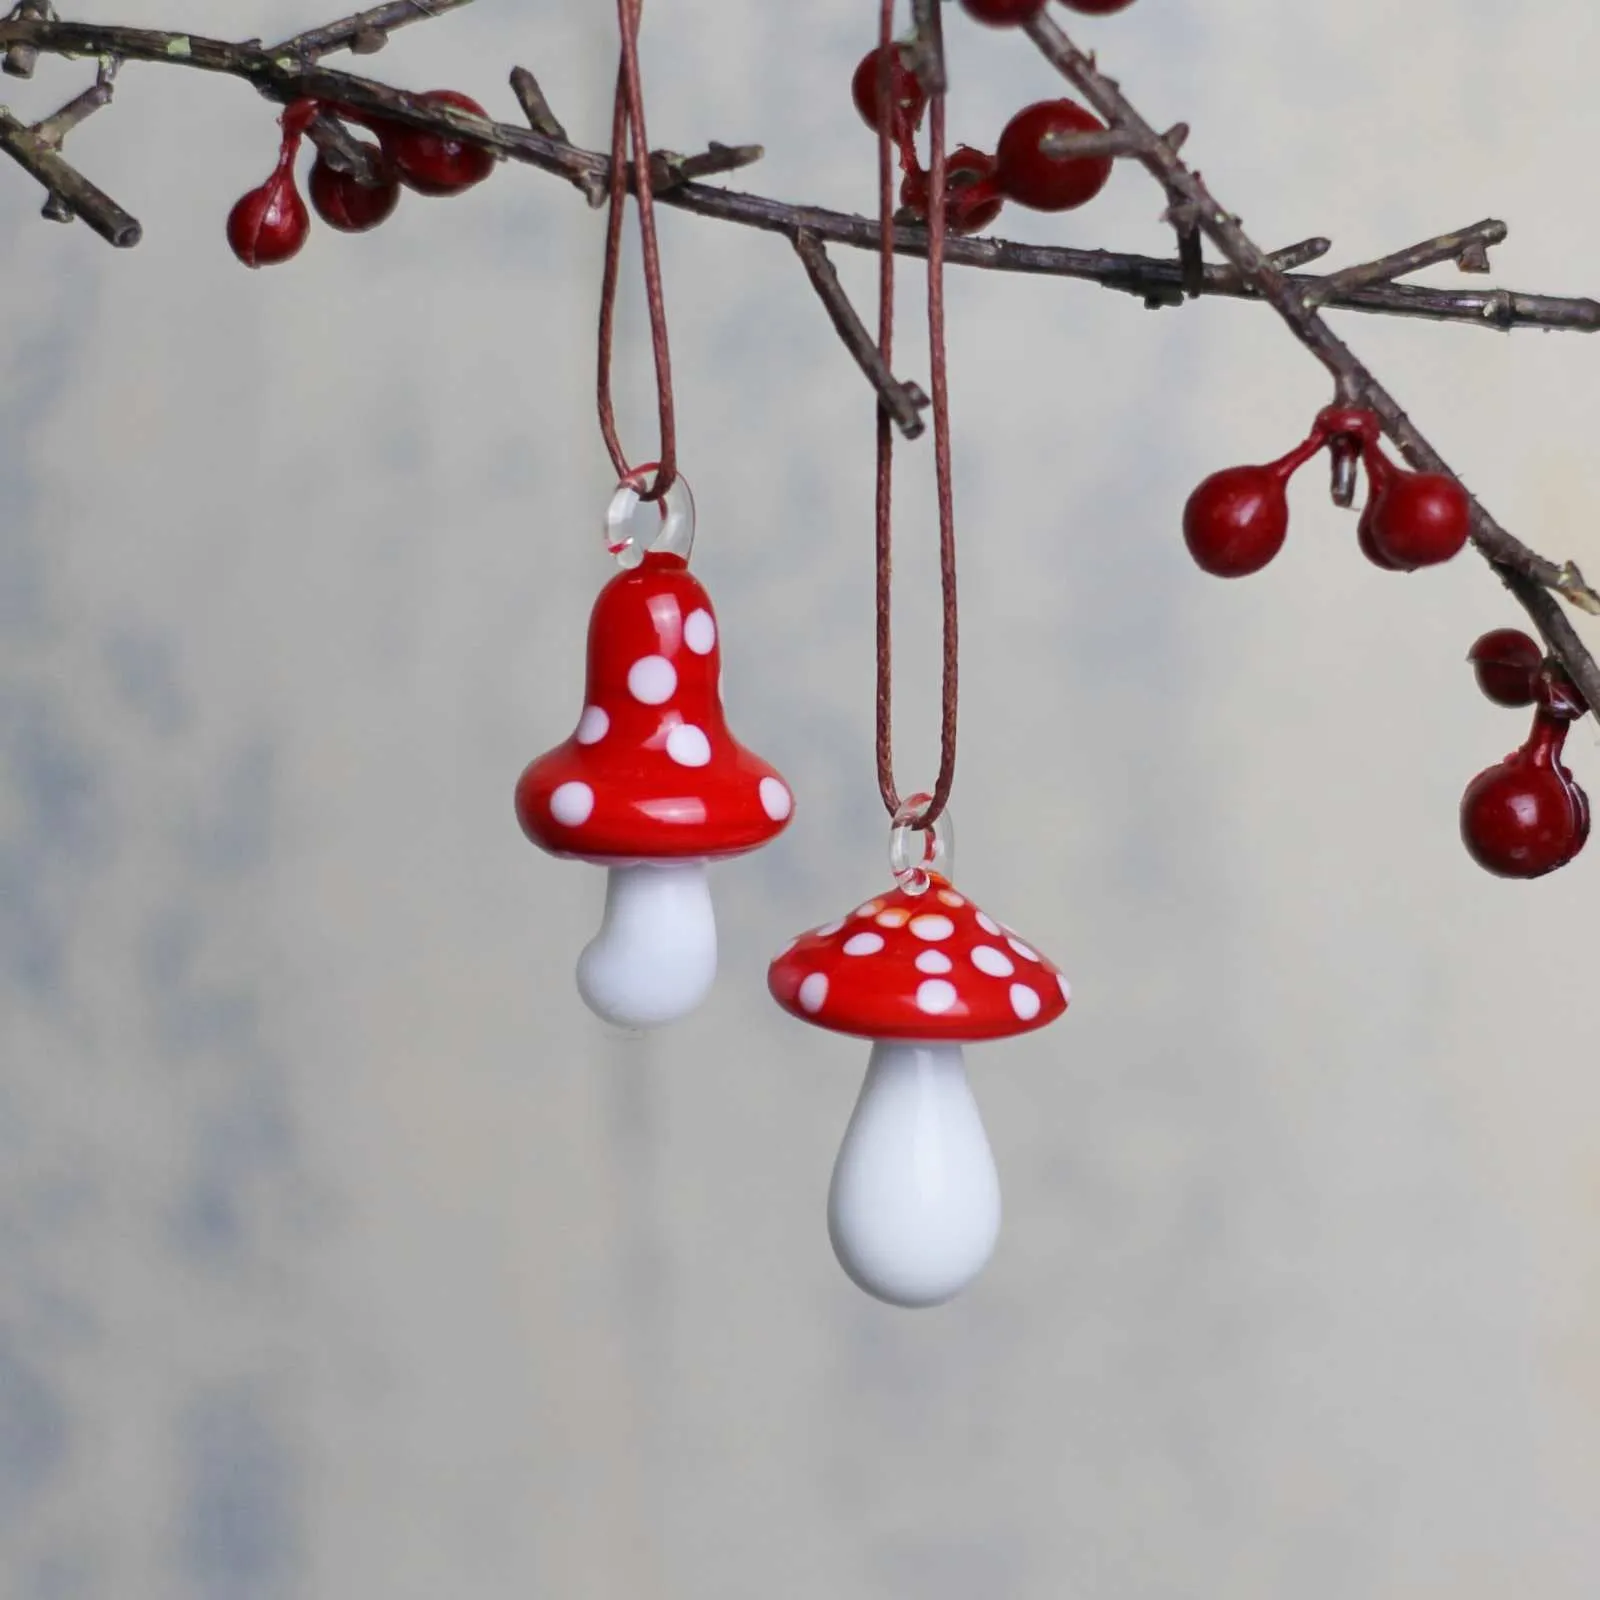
1066,988
995,962
827,930
1025,1001
776,800
652,680
933,929
700,631
894,917
593,726
863,944
951,898
935,996
813,991
571,803
1022,950
870,909
688,745
934,961
988,924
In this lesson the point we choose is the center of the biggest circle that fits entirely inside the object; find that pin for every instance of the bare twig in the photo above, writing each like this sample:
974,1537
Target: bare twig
344,152
54,128
66,184
534,105
1141,276
364,33
926,55
1298,255
1287,298
902,401
668,170
1446,247
21,58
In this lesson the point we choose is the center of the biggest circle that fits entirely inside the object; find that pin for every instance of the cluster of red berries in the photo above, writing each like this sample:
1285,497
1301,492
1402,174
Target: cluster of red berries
1526,815
1236,521
977,184
270,224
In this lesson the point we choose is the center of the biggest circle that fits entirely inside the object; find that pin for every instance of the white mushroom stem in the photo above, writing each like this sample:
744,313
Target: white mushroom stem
655,955
914,1206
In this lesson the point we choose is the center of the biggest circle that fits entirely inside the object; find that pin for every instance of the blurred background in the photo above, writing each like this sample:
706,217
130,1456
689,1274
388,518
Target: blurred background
343,1254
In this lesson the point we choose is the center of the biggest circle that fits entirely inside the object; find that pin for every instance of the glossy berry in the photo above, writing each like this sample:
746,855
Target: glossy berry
1506,663
269,224
1414,519
1097,8
907,101
1002,13
971,201
1527,816
345,203
1235,522
1023,171
432,163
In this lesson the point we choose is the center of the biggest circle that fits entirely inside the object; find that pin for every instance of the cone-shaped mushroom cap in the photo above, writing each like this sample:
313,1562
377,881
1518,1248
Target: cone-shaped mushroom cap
928,966
651,772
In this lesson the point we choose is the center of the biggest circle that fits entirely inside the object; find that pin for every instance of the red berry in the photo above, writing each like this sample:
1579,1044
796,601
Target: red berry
1096,8
345,203
1003,13
432,163
1527,816
269,224
1024,173
971,201
907,100
1236,521
1506,662
1417,519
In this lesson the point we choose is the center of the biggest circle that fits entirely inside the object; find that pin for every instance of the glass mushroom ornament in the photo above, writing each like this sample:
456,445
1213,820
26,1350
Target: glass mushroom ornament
651,784
914,1203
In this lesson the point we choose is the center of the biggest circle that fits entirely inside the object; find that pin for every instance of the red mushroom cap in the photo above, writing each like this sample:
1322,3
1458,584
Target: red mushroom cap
927,966
651,771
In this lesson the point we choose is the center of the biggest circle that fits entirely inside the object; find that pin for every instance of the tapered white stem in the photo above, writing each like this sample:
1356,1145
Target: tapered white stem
914,1207
655,955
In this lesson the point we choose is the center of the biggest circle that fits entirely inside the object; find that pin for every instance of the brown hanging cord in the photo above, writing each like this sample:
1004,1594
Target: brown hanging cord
941,435
628,111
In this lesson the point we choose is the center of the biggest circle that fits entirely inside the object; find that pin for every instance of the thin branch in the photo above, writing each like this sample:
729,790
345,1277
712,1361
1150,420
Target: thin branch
668,170
364,33
54,128
926,55
20,59
1141,276
1298,255
1288,299
344,152
902,401
534,105
1446,247
66,184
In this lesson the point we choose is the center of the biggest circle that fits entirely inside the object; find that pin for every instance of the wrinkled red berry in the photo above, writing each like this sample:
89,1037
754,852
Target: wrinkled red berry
269,224
1023,171
971,201
432,163
1506,662
907,101
1003,13
345,203
1527,815
1413,519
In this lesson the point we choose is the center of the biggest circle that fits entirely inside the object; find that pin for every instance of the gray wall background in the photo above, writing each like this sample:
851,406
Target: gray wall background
345,1255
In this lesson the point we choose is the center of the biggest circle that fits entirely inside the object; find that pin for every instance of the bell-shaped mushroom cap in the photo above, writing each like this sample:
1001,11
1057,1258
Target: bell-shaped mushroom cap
651,772
927,966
